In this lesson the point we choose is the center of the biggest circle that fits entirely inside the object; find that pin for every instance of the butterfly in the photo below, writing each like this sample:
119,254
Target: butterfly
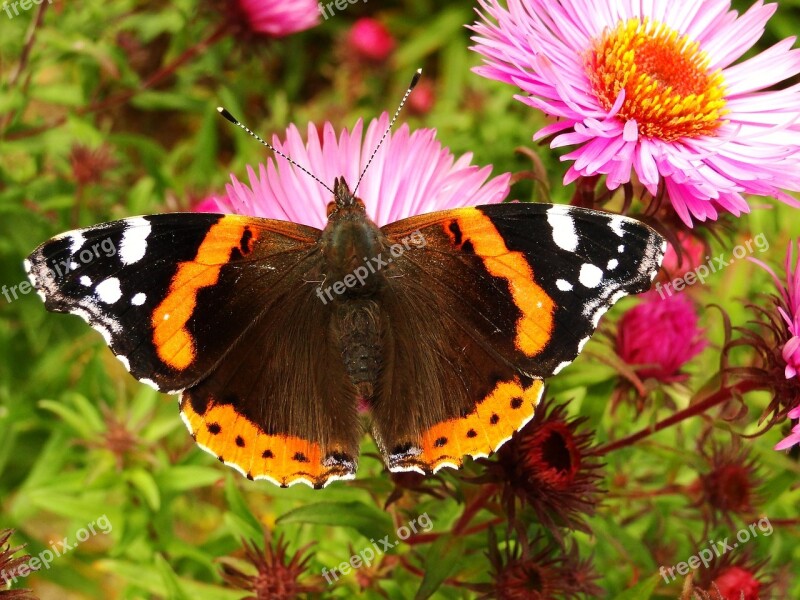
444,324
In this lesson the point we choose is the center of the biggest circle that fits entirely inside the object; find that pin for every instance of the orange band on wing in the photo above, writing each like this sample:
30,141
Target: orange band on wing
535,325
171,338
236,441
495,419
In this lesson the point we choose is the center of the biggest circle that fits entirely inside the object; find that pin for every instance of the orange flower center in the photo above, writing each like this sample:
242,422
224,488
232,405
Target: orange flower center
669,90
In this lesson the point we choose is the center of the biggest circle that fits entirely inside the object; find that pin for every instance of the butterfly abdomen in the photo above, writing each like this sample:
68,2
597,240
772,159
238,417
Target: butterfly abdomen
356,326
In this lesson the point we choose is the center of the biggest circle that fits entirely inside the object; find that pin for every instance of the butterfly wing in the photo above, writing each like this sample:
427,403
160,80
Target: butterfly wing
218,306
494,299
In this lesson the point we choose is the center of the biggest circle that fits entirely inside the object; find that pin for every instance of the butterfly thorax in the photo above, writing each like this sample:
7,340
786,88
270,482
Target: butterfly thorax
354,270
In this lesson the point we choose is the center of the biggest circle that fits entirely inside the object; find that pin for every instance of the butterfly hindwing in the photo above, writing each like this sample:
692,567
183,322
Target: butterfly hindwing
178,297
279,405
506,295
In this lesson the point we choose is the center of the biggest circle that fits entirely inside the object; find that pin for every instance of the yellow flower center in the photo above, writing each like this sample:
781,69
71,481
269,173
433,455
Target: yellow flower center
669,90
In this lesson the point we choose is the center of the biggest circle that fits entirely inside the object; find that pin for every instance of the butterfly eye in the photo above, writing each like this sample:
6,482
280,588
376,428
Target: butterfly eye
330,208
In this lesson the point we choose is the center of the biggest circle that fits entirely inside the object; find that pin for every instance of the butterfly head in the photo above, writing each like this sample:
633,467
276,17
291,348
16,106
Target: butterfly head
344,202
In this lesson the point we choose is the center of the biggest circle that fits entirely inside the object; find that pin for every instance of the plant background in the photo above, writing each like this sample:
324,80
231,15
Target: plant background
79,438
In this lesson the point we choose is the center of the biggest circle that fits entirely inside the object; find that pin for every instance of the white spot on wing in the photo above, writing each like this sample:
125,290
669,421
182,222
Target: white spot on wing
138,299
582,343
85,281
333,478
103,331
109,291
564,234
125,362
185,420
76,241
405,469
149,382
560,367
563,285
599,313
243,472
590,275
612,264
444,464
500,443
133,246
621,248
616,226
616,296
27,264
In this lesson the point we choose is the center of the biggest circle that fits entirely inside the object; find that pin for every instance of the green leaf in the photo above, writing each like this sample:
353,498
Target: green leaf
239,509
144,482
368,521
68,94
189,477
171,584
641,591
150,100
432,36
441,561
151,579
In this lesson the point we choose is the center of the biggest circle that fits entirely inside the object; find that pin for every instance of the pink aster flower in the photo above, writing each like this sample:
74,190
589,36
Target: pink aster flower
411,174
370,39
211,204
689,254
737,584
788,305
659,337
794,437
652,88
278,18
789,308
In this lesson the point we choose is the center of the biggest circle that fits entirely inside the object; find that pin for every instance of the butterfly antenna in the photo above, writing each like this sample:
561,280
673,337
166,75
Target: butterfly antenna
412,85
224,112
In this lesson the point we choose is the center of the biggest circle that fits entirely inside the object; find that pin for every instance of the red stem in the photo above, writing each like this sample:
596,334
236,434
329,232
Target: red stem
718,397
476,504
639,494
420,573
787,522
427,538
